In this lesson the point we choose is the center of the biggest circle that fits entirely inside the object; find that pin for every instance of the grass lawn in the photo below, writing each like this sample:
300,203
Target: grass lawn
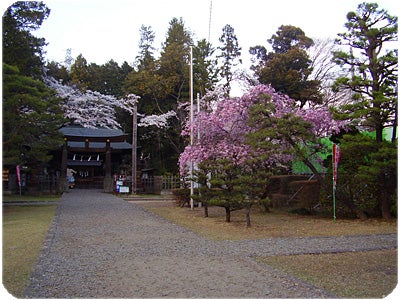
24,229
30,198
273,224
371,274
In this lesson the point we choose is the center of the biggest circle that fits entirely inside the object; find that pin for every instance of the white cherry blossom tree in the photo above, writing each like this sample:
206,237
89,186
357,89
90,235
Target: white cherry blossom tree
93,109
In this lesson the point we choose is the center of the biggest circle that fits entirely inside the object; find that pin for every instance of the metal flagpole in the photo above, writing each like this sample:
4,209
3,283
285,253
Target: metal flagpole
134,154
198,113
198,137
191,129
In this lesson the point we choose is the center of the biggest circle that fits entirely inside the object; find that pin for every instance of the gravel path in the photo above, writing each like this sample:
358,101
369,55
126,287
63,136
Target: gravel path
100,246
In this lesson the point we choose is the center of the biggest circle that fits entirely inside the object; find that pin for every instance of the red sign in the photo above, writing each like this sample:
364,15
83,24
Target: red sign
18,174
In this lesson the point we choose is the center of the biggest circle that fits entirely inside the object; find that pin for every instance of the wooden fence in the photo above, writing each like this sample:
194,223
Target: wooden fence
171,182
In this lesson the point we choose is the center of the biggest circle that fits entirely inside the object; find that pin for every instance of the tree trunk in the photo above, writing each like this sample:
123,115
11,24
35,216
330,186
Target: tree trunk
205,211
385,207
394,125
384,198
308,163
227,214
353,208
248,224
379,133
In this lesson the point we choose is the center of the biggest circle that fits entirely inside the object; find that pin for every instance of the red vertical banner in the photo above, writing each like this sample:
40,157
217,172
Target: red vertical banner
18,170
335,164
336,158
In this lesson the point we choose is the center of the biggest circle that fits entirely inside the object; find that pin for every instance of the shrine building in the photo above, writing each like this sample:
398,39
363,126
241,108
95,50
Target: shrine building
95,154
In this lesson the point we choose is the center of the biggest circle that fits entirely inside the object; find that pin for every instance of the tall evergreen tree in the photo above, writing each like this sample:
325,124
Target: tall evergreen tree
146,48
107,78
230,54
174,83
143,80
80,73
31,112
372,72
371,65
163,85
205,69
58,72
288,67
20,47
32,116
174,64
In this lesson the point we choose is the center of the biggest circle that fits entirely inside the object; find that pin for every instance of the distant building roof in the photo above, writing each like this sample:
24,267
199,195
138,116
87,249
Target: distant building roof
113,145
96,138
90,132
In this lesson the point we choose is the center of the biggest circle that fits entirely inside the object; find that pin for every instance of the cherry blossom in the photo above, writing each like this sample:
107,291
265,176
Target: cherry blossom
223,130
160,121
93,109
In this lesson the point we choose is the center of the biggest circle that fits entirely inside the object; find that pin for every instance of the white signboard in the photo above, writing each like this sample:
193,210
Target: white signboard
124,189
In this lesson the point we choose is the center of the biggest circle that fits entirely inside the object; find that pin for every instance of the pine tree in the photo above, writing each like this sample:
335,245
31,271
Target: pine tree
288,67
20,47
371,72
371,68
32,116
32,113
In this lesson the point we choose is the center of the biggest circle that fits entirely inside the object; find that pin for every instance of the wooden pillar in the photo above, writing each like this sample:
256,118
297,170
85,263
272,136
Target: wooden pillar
108,159
108,180
64,159
62,181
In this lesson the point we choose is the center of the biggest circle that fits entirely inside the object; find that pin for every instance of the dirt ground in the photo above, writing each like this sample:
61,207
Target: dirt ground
100,246
264,225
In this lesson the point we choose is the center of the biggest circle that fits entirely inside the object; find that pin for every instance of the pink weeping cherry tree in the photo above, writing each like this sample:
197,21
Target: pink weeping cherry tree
243,140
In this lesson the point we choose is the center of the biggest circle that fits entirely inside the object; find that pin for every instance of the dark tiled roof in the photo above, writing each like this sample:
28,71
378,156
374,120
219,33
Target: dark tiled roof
90,132
113,145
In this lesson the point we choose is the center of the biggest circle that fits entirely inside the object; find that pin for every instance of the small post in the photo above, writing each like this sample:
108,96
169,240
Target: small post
334,204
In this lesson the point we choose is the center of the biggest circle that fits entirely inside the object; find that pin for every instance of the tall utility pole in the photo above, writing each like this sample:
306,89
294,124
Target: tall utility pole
134,154
68,59
209,22
191,129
